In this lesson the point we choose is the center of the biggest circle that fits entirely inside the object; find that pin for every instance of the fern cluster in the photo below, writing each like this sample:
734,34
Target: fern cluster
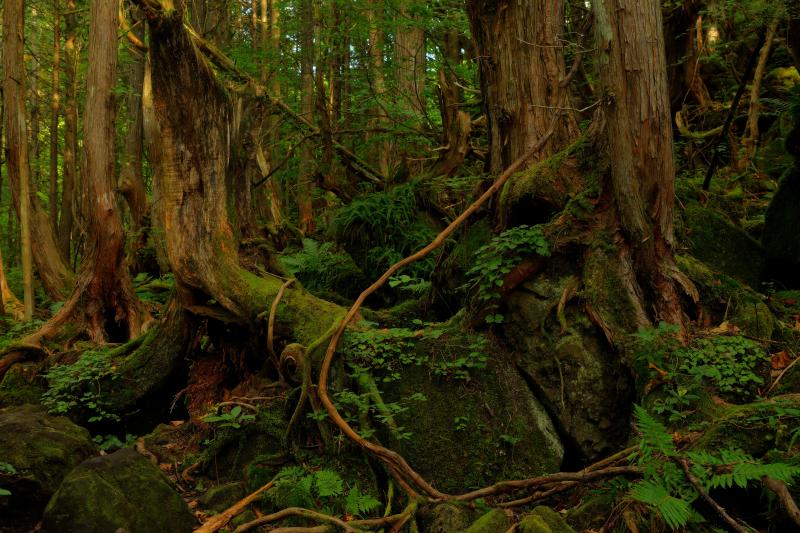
322,268
666,488
322,490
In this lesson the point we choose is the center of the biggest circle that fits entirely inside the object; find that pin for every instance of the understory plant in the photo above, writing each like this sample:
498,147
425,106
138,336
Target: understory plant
75,388
672,480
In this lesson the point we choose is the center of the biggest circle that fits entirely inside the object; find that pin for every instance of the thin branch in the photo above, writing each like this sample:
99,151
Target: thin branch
732,522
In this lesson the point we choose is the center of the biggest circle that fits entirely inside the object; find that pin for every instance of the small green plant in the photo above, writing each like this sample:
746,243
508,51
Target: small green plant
495,260
9,470
76,387
109,443
322,268
460,423
232,419
323,490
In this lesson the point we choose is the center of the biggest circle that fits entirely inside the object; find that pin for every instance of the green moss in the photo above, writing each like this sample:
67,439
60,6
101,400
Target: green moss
754,428
20,386
721,245
218,498
121,490
544,520
447,517
494,521
593,512
42,449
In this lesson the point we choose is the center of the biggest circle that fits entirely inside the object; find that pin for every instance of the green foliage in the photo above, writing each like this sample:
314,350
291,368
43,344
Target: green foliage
109,443
321,268
731,365
495,260
380,228
667,489
231,419
75,388
323,490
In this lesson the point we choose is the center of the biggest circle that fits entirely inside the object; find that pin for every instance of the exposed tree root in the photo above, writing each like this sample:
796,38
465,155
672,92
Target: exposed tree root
271,325
218,521
782,492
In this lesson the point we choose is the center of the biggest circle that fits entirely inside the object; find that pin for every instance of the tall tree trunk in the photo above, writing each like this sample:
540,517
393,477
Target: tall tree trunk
67,223
16,130
522,66
9,304
103,301
633,69
410,58
378,83
55,109
305,179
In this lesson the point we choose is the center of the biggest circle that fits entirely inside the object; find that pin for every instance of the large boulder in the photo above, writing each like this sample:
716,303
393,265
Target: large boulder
36,452
467,435
780,241
544,520
576,374
121,491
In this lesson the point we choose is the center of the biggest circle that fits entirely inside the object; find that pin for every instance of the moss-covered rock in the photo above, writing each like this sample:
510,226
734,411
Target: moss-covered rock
544,520
593,511
446,517
725,298
581,380
121,490
721,245
469,434
41,449
218,498
494,521
20,386
756,428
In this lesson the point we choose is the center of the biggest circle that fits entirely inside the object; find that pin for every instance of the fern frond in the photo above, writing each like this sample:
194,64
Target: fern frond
655,437
675,512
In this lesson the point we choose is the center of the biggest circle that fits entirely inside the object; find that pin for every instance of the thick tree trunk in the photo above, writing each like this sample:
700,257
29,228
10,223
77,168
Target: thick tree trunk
521,60
103,300
9,304
66,224
193,116
410,58
633,69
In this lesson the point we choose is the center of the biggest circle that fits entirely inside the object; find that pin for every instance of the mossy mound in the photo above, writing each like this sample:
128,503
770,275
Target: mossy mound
580,379
493,521
543,520
721,245
756,428
118,491
725,298
20,386
447,517
217,499
468,435
41,449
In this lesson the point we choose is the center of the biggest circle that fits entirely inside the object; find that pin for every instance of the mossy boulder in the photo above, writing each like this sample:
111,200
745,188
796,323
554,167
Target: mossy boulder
20,386
494,521
41,449
566,359
544,520
447,517
725,298
468,434
118,491
723,246
756,428
217,499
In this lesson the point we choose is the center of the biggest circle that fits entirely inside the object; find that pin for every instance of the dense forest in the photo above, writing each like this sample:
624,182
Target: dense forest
400,266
